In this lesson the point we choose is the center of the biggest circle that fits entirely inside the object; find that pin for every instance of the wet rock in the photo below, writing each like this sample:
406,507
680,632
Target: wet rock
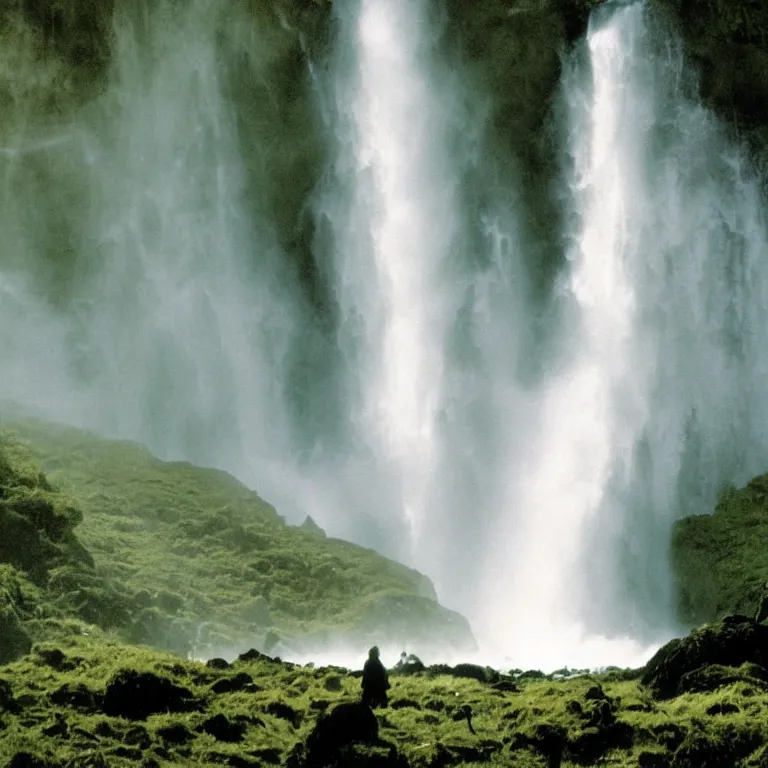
58,727
403,703
217,664
368,756
545,738
54,658
573,707
592,742
137,695
346,724
269,755
729,643
14,641
254,655
721,750
284,712
77,696
455,754
7,702
332,683
105,730
653,760
714,676
506,686
723,708
178,733
223,729
29,760
240,682
137,736
669,735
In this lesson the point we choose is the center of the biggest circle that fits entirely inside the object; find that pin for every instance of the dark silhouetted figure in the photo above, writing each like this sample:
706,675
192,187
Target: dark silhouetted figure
466,713
375,681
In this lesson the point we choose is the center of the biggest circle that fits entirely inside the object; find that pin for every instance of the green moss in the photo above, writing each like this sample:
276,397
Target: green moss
60,690
721,560
188,558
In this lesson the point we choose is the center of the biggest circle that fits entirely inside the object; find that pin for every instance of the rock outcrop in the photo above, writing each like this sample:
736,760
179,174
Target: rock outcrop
714,655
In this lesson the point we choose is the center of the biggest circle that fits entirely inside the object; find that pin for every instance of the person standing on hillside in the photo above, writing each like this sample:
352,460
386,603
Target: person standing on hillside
375,682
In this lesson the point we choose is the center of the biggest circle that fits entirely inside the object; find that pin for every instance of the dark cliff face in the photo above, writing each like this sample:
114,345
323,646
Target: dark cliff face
727,43
511,52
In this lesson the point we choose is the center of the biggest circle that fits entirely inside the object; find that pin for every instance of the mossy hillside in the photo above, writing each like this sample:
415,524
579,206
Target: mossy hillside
62,704
40,557
721,560
207,563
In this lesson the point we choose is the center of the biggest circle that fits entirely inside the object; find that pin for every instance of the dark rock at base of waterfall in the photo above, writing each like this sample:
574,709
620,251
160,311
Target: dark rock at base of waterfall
731,642
137,695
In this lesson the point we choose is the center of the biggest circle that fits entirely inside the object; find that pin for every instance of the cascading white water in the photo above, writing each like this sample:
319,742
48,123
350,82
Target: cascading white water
181,312
542,511
431,290
392,243
660,399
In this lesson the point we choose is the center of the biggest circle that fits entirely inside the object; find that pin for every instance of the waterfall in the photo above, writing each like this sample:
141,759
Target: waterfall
662,402
179,313
336,305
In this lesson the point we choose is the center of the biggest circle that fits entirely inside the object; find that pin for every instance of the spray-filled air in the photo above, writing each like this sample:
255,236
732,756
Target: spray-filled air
327,291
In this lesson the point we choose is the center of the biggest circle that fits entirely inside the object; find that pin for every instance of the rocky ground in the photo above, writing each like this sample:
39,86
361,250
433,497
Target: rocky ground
111,551
701,701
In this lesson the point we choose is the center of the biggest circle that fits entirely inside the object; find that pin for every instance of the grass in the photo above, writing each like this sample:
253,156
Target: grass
281,705
132,552
721,560
186,556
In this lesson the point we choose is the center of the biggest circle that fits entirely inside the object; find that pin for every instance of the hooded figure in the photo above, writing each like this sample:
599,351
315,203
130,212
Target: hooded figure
375,681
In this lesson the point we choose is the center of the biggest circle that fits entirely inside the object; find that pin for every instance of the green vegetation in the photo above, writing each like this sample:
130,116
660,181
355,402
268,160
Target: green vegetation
95,702
189,559
721,560
112,548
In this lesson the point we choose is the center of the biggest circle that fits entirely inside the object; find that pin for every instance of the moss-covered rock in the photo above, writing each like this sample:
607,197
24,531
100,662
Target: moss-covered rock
721,560
695,662
728,41
14,640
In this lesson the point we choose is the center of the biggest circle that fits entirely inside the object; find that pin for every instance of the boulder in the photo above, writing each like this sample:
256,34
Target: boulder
730,642
710,677
223,729
137,695
346,724
239,682
7,702
14,641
